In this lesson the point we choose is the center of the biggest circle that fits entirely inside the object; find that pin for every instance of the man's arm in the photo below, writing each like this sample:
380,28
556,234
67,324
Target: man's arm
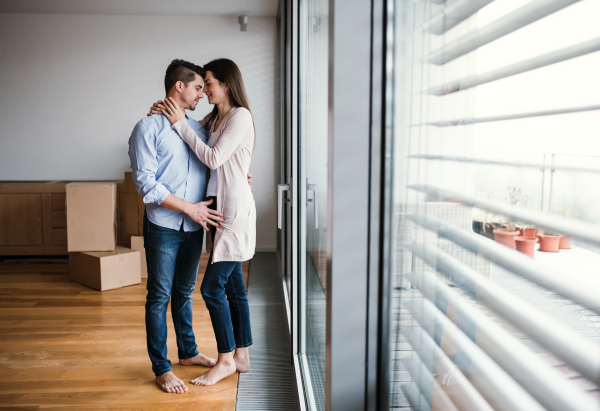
144,164
142,154
198,212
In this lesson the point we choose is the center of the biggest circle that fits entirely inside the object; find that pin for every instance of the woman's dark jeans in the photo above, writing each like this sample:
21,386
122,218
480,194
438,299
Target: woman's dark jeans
173,258
224,281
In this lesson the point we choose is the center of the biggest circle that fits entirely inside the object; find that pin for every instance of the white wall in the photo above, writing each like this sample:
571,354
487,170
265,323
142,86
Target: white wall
74,86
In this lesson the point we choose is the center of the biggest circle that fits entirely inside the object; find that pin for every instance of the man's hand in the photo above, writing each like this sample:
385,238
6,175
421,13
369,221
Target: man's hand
250,180
203,215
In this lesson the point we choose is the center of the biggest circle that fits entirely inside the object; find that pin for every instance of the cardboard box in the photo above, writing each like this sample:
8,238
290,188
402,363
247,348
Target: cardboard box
137,243
91,216
105,270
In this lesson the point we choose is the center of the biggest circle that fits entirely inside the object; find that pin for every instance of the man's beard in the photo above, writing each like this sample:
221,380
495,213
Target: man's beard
190,105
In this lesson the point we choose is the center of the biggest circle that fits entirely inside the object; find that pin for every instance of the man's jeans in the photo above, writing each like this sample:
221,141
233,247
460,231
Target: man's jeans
224,281
173,258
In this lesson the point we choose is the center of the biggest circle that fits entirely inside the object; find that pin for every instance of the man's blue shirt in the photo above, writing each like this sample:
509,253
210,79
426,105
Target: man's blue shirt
162,163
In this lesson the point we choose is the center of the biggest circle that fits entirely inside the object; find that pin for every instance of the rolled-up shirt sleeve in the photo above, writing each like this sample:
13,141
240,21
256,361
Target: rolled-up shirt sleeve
144,164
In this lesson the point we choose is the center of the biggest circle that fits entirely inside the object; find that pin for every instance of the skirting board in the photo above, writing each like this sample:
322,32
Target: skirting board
266,249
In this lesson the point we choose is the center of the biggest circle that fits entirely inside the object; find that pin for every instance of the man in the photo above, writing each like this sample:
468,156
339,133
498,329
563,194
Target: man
172,181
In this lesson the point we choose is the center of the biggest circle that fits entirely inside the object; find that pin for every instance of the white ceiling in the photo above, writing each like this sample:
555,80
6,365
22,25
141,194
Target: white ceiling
143,7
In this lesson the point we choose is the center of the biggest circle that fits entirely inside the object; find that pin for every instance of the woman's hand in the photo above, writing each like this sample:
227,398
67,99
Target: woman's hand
172,111
156,107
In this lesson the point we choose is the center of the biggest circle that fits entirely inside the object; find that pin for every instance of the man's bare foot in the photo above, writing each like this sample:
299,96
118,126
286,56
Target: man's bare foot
224,368
242,360
168,382
200,359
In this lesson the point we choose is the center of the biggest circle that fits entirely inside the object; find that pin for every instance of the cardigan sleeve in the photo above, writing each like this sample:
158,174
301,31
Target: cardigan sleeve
231,137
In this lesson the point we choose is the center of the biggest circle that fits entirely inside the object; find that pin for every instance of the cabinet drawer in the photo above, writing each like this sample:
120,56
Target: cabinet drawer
58,202
21,219
59,236
59,219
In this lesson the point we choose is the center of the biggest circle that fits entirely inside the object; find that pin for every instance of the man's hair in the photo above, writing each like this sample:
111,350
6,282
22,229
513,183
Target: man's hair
181,70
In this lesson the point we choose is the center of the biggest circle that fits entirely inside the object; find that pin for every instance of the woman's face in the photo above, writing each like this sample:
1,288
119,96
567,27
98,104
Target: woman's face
214,90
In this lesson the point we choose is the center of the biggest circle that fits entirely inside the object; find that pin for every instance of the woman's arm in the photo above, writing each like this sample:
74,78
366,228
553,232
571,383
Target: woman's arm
231,137
229,141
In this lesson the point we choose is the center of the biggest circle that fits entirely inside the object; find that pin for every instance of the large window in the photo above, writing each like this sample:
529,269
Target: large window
496,205
314,35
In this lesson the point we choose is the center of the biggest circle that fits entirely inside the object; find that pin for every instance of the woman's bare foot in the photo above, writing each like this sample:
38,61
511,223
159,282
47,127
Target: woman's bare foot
168,382
242,360
224,368
200,359
451,379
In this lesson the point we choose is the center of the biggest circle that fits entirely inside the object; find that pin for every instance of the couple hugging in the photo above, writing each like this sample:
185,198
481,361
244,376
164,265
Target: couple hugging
192,176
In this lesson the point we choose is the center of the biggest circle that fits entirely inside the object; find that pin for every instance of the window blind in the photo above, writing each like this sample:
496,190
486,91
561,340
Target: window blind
494,110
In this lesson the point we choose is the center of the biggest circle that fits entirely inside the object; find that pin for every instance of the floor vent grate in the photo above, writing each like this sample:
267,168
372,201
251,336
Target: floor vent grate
270,384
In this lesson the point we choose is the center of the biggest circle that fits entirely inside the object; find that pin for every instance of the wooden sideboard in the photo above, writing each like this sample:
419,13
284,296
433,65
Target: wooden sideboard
33,219
130,211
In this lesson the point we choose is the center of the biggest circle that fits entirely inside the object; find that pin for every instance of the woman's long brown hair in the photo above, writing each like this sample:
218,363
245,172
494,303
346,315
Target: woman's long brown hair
226,71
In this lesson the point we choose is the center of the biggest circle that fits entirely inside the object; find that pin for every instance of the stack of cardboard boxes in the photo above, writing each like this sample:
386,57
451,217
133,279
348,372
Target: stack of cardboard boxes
95,259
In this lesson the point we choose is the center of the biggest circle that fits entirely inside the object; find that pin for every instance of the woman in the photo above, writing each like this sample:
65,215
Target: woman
228,153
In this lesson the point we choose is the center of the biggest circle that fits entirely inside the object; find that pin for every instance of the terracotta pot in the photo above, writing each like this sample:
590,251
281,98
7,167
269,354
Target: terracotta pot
565,242
549,243
526,244
506,237
529,232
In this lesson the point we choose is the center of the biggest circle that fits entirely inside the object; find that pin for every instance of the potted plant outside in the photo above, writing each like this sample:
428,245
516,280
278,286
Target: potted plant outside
506,236
565,242
526,245
527,230
485,222
549,241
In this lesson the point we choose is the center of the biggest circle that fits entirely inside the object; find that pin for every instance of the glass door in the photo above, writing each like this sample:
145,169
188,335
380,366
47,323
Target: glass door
285,153
313,195
303,186
287,208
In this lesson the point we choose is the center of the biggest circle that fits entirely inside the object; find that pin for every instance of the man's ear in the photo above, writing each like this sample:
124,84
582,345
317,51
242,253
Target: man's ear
179,86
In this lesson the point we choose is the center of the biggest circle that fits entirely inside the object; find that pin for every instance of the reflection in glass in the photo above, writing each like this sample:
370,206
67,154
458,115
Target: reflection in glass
313,141
479,321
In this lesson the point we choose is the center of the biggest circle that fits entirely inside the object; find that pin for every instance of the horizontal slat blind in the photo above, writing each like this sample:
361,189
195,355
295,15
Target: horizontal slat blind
519,18
480,143
537,62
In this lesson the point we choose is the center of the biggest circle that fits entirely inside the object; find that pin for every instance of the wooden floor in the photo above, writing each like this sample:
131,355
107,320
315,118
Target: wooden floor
64,346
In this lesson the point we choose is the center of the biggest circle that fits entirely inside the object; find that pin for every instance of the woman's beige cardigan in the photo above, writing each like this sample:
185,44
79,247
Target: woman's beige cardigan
230,155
